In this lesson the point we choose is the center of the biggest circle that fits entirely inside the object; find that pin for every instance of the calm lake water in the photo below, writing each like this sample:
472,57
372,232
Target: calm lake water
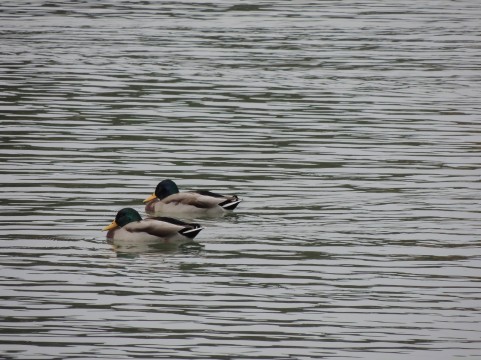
351,129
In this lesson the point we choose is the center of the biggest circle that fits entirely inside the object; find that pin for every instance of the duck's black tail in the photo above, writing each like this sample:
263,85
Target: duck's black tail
191,232
230,204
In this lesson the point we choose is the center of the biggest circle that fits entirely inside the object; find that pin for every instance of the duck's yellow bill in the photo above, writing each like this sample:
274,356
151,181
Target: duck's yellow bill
151,197
113,225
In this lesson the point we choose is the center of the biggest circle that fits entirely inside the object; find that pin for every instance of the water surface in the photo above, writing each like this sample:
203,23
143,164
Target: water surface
350,129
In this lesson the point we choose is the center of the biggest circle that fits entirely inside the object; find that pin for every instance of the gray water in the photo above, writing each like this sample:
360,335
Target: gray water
351,129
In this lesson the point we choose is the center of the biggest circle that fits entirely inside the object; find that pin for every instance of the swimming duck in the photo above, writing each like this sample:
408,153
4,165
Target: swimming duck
168,199
128,225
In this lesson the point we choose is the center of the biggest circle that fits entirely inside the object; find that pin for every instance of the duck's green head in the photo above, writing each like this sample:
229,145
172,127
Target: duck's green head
163,189
123,217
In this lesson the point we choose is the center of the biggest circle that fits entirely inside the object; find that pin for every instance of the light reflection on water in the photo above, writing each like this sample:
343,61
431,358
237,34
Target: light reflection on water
350,131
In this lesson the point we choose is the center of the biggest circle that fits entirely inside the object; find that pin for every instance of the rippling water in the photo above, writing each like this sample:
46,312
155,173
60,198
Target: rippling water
351,129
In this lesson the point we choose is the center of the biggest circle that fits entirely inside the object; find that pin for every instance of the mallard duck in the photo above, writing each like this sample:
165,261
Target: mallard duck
129,226
168,200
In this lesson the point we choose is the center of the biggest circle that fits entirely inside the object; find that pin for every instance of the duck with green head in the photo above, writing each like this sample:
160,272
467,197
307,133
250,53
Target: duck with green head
129,226
167,199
